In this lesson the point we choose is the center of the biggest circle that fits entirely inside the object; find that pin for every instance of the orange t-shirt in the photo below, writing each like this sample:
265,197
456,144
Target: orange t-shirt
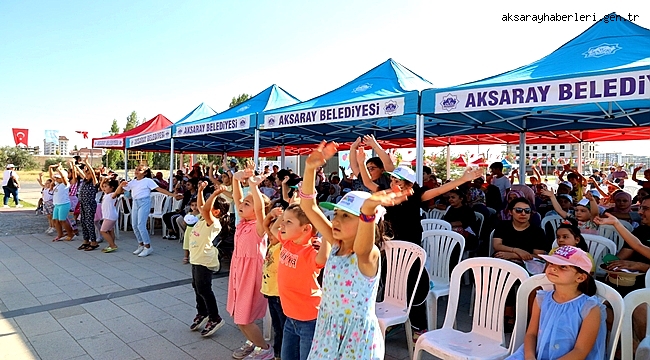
299,291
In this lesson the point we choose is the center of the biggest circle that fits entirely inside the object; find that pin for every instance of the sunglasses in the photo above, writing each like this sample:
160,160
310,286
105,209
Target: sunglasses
371,168
519,210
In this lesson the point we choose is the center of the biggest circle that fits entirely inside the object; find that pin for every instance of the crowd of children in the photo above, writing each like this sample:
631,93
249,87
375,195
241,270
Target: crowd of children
319,275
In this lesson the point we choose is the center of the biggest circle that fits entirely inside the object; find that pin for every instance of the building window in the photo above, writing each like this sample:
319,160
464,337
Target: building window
561,147
527,148
534,147
561,154
552,147
544,147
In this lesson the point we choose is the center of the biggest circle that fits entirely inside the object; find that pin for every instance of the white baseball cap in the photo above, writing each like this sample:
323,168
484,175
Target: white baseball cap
567,184
10,166
190,219
352,202
404,173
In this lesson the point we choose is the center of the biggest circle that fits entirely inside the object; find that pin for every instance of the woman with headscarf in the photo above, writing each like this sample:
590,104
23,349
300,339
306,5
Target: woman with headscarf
335,193
622,208
511,195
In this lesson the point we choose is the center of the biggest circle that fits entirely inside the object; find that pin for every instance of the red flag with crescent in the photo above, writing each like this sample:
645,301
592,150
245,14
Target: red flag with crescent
84,133
20,136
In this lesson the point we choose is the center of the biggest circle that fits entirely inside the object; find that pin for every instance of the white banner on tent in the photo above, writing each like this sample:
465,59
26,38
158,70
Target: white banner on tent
212,127
355,111
602,88
163,134
108,143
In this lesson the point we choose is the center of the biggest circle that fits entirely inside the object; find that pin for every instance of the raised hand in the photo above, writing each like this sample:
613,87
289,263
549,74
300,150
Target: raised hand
638,167
385,198
606,219
370,141
257,180
361,156
323,152
589,196
285,180
276,212
203,185
242,175
472,173
547,192
355,144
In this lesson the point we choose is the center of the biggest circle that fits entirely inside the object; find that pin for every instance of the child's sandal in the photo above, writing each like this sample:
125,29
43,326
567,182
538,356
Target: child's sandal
83,246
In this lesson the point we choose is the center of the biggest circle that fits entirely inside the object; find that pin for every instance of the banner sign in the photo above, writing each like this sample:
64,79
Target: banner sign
163,134
21,136
631,85
213,127
108,143
355,111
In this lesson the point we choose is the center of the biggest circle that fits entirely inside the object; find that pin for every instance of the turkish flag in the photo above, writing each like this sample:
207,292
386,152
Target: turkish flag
84,133
20,136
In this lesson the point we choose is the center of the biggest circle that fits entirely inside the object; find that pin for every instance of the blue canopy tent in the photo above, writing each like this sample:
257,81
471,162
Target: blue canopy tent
598,80
384,102
232,130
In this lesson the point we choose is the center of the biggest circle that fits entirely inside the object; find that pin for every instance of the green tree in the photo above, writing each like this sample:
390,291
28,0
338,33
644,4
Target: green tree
238,100
440,166
113,157
52,161
131,121
21,158
115,129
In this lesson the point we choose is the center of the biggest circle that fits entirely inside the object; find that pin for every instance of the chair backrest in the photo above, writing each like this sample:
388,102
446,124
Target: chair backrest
632,300
159,203
435,224
122,204
480,219
176,204
598,247
493,280
439,245
492,211
553,220
610,232
436,214
603,291
400,257
491,248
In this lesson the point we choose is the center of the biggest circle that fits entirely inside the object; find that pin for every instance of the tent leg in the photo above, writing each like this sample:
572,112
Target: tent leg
171,165
256,148
419,147
522,157
580,157
448,164
126,164
282,156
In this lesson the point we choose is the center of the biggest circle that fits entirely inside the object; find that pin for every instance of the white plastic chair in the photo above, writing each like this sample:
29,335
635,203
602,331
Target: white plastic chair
439,245
609,232
434,224
176,204
604,293
124,211
436,214
491,248
486,340
632,300
554,220
396,306
161,205
598,247
480,219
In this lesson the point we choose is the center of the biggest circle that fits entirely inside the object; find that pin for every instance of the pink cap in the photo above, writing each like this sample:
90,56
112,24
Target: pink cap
569,255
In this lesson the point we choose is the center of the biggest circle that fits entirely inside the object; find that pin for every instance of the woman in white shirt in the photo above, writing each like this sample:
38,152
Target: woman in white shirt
141,188
10,185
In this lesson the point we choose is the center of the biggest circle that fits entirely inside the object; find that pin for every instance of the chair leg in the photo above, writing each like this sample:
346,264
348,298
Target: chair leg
432,312
417,353
409,337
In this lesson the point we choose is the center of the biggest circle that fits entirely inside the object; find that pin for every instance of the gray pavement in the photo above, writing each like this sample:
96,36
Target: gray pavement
60,303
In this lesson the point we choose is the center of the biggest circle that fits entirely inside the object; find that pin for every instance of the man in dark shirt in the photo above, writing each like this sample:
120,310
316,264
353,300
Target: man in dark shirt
518,240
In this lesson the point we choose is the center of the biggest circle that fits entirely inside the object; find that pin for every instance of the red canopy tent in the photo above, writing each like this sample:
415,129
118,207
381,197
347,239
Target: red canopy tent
460,161
118,141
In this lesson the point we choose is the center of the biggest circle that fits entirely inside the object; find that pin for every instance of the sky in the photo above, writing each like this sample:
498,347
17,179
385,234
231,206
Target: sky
77,65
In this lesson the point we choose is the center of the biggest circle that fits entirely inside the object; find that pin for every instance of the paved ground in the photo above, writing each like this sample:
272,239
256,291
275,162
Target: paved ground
60,303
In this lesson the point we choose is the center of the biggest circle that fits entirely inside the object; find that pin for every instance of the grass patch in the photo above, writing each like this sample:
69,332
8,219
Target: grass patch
25,204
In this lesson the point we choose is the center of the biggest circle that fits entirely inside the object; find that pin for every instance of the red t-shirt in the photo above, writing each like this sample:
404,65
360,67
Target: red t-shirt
299,291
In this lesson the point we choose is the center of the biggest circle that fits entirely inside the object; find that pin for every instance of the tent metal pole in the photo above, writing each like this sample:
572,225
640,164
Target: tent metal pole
522,157
126,164
283,155
419,141
256,148
171,165
448,163
580,157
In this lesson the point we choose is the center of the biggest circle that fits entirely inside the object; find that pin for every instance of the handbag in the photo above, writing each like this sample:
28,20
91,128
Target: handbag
11,182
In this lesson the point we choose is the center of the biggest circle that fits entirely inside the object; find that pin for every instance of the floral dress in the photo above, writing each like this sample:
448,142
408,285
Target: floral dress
347,326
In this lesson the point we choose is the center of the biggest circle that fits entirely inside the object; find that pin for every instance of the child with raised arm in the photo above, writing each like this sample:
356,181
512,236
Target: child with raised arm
567,322
347,327
300,293
270,277
204,258
61,201
109,212
245,301
48,205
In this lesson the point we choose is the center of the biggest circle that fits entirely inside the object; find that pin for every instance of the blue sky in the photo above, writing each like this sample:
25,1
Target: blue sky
77,65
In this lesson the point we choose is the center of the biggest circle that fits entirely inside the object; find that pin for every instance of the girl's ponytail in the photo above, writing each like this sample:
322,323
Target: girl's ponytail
223,206
587,287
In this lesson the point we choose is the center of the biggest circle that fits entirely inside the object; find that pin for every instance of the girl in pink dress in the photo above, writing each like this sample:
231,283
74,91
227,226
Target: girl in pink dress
245,301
